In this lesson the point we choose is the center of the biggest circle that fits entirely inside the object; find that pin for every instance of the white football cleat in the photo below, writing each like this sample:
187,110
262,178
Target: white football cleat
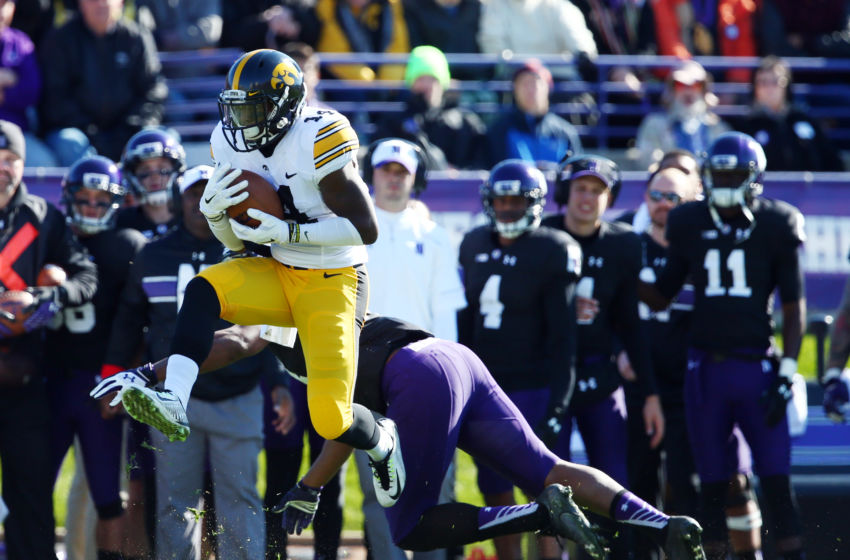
388,474
160,409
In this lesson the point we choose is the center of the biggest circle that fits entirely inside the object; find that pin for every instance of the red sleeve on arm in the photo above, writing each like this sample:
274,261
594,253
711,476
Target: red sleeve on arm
108,370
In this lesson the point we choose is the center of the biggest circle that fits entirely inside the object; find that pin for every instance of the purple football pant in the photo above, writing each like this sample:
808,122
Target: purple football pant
74,412
720,394
532,405
442,397
603,429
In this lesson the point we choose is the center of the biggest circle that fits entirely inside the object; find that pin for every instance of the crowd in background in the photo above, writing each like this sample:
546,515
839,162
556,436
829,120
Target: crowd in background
83,77
80,77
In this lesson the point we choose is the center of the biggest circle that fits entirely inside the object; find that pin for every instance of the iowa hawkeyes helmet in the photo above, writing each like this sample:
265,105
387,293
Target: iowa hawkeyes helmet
263,95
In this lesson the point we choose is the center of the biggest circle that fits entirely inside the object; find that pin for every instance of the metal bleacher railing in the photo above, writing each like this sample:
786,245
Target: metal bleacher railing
193,111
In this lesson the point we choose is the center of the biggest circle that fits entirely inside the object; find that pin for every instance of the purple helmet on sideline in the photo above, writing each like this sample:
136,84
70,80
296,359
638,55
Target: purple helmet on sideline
733,170
96,173
147,144
514,177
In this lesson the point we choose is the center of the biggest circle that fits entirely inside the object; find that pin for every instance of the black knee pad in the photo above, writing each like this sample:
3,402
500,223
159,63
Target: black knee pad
110,510
740,491
782,504
713,514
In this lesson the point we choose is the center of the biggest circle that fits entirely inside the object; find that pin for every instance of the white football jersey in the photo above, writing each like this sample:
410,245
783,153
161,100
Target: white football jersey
320,141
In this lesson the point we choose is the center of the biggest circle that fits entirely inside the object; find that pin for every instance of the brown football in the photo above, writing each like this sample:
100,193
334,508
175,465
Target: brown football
13,310
261,195
51,275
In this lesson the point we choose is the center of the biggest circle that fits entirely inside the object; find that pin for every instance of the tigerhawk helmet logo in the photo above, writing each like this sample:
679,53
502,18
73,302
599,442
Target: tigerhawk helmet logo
283,75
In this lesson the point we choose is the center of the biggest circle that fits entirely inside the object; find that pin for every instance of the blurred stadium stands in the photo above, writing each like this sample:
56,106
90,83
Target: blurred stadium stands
819,83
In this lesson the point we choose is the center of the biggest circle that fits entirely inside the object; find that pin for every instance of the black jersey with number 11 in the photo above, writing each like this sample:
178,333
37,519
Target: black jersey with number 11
734,272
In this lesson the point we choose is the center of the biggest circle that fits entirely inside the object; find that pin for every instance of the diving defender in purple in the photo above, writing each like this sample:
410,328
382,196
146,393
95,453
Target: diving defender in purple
442,398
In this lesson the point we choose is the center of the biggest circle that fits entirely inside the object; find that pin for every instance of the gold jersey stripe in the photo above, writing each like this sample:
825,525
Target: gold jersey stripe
327,143
238,72
326,138
350,146
328,127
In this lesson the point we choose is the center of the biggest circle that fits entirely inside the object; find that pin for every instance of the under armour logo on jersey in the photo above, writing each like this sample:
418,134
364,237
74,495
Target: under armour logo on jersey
588,385
595,261
198,256
693,364
742,234
509,260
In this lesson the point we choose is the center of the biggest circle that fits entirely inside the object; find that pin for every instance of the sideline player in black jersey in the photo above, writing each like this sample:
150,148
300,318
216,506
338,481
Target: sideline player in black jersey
152,162
669,329
92,194
442,397
520,319
607,317
736,248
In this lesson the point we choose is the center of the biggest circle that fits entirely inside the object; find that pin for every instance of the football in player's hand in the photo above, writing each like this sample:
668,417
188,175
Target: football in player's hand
15,308
51,275
261,195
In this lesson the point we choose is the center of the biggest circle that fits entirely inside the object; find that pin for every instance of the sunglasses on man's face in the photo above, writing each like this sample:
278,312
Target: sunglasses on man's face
658,196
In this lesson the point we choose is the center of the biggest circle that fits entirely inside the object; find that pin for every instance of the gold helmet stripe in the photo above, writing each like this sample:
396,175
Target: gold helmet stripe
238,72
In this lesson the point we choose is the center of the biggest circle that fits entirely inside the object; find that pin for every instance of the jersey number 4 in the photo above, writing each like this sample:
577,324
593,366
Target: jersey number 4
736,264
489,304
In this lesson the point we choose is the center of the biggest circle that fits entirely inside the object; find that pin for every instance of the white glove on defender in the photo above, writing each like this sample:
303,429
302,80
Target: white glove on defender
219,195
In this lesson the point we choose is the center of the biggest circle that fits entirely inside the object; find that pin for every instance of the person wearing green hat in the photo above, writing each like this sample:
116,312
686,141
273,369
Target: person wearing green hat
451,136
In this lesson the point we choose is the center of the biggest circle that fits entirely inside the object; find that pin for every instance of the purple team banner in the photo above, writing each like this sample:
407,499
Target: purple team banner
823,198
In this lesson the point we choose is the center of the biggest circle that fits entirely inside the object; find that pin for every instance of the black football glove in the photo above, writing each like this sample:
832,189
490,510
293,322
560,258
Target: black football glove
298,506
775,399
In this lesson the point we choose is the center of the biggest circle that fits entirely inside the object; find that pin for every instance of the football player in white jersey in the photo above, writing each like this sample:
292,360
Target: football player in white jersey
313,280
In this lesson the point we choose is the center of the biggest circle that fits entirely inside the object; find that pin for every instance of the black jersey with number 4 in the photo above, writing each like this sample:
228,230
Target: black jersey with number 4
734,272
79,341
518,314
610,268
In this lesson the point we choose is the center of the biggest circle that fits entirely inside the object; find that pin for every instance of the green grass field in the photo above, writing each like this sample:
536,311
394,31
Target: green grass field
466,488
